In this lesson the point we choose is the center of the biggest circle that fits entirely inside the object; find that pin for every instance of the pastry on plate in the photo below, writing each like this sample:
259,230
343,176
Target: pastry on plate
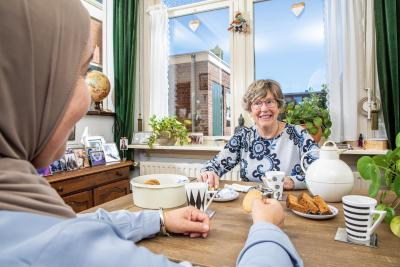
308,203
322,206
293,204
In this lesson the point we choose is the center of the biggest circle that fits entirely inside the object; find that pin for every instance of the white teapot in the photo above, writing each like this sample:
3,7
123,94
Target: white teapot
328,176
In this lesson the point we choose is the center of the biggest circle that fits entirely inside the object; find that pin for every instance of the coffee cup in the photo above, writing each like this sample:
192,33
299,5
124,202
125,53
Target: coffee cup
197,195
274,181
359,212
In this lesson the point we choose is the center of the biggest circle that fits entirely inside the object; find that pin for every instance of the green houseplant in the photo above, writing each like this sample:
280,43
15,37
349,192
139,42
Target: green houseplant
167,131
384,173
312,113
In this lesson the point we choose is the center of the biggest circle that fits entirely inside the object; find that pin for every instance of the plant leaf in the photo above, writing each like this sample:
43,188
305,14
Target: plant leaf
396,185
381,160
364,166
398,140
317,121
390,212
374,187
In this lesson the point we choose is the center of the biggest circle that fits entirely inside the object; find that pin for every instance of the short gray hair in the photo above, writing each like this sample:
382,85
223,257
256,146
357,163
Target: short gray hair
259,89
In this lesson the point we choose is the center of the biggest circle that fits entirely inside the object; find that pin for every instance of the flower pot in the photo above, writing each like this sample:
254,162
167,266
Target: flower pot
164,141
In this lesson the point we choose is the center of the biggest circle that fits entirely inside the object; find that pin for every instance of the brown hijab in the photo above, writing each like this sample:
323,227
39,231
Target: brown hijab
41,47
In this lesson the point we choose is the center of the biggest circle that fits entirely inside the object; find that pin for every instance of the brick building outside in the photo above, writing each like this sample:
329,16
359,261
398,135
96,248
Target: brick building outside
205,77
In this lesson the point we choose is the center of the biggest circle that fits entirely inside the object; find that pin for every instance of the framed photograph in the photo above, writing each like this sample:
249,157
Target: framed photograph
97,158
80,156
141,138
56,166
44,171
95,142
196,138
70,162
111,152
123,143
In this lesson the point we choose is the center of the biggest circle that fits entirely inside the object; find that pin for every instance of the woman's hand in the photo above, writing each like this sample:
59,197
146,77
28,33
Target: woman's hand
211,177
268,210
188,220
288,183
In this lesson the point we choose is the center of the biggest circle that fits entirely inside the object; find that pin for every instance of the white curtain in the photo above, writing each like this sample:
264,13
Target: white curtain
159,47
347,76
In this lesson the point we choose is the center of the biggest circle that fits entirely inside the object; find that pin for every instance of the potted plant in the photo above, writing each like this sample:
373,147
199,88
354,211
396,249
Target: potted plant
311,113
167,131
384,173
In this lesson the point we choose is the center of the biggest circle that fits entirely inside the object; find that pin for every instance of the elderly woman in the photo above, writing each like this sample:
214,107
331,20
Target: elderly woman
269,145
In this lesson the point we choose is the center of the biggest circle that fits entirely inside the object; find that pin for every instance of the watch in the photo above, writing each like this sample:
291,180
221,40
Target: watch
163,229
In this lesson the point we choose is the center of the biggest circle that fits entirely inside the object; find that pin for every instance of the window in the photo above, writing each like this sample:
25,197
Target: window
289,48
210,67
199,72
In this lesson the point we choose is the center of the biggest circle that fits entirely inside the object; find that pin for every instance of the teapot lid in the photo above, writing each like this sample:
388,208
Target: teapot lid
329,148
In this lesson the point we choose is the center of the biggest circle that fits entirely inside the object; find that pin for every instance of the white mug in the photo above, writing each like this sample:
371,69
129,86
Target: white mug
274,180
196,195
358,215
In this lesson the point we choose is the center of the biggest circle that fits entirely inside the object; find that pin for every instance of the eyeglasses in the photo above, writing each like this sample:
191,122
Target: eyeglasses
269,103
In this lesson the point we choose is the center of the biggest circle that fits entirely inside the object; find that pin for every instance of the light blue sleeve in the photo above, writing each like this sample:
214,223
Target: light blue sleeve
89,240
269,246
131,225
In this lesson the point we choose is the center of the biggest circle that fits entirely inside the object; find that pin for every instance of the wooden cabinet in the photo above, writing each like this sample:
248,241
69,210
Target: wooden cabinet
85,188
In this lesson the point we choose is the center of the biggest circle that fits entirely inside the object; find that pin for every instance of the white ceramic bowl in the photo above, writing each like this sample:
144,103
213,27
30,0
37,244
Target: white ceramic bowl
169,194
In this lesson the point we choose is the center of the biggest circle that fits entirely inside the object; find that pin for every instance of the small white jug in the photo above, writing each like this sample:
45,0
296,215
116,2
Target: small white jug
328,176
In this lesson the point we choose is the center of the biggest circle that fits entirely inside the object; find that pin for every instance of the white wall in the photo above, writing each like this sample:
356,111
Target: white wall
98,125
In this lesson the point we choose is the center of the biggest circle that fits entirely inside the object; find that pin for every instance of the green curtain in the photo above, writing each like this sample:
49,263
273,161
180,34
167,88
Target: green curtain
125,38
387,23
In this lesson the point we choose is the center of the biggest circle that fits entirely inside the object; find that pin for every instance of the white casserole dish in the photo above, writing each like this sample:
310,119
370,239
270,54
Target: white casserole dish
169,194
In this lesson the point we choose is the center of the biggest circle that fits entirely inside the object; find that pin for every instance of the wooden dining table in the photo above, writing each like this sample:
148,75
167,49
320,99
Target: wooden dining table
313,239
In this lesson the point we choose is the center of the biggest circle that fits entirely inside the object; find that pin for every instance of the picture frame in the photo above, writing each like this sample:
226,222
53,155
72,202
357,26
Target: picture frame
71,136
97,158
44,172
123,143
196,138
80,156
111,152
141,138
56,166
95,142
70,161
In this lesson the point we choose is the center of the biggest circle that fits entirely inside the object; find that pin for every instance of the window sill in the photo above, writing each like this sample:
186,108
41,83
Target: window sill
219,147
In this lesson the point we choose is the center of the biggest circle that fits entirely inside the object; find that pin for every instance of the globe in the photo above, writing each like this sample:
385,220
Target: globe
98,84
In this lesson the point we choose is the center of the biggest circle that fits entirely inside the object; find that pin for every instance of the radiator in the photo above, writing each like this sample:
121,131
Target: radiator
186,169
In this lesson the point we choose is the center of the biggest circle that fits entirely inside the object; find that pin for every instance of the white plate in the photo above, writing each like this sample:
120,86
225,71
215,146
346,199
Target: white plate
334,211
225,195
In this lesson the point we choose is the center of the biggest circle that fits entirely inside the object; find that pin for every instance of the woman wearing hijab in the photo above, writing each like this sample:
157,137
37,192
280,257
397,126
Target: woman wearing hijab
44,53
269,145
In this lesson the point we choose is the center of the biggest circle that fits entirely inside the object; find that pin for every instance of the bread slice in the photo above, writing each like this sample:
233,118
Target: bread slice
292,203
322,206
308,203
248,199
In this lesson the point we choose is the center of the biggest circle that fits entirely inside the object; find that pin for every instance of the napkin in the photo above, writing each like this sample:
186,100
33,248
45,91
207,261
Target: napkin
239,187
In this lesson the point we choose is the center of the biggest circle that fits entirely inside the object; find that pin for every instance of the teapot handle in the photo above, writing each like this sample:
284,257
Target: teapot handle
302,160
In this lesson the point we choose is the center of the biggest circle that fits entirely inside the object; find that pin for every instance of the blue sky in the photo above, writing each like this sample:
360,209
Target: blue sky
288,49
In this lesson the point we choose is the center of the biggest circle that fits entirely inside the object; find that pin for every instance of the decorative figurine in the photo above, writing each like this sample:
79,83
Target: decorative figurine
239,24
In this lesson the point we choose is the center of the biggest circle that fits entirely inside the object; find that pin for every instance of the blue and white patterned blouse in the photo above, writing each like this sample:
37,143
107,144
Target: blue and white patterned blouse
257,155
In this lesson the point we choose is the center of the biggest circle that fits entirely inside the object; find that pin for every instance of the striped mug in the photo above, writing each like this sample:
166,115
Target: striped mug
358,215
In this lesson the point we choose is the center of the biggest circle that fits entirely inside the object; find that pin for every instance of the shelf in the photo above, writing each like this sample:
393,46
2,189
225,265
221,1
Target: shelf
100,113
